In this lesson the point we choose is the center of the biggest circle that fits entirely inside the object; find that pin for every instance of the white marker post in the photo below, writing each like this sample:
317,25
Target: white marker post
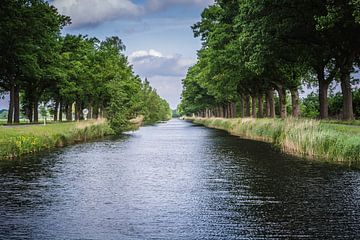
44,112
85,112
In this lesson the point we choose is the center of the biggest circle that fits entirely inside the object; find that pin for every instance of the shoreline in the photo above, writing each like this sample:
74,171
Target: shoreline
299,137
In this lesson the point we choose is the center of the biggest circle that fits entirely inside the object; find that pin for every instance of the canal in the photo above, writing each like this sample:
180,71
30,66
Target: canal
177,180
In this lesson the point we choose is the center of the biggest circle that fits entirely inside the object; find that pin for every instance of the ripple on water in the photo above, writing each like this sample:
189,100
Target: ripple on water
176,181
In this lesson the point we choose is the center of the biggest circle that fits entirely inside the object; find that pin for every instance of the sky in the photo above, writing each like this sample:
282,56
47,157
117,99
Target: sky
157,33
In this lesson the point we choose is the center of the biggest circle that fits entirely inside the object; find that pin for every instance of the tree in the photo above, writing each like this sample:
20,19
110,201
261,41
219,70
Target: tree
342,30
27,28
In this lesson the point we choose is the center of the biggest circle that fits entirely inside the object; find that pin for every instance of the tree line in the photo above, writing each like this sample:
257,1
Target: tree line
252,49
70,73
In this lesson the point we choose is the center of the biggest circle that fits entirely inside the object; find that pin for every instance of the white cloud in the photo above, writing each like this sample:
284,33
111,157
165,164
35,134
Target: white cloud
87,12
154,63
164,72
92,12
153,5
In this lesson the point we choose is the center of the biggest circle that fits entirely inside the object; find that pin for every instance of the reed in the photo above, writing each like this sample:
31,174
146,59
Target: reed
309,138
22,140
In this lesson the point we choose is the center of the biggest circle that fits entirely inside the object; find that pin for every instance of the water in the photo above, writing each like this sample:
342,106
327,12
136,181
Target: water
176,181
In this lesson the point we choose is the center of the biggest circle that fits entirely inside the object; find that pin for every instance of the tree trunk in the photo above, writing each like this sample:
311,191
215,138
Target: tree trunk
56,110
91,109
36,111
17,105
267,107
229,113
60,111
282,100
76,112
234,112
247,106
227,110
11,105
68,110
95,112
253,106
260,107
295,102
80,114
30,112
270,104
348,112
323,95
242,107
101,112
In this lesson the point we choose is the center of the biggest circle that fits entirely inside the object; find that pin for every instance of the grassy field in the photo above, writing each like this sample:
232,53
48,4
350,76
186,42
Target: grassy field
20,140
352,123
310,138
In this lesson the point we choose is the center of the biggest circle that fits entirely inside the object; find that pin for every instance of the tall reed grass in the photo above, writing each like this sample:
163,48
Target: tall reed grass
21,140
310,138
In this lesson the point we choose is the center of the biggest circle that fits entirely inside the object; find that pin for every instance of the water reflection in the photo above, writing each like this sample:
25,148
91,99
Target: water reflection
176,181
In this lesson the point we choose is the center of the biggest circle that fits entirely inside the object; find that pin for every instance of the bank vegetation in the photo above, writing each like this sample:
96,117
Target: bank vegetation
303,137
18,141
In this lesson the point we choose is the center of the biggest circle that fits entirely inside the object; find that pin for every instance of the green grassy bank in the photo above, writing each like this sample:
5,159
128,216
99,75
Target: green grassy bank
21,140
308,138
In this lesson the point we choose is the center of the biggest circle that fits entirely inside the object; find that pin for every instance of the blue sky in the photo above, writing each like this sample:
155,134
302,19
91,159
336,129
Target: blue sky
157,34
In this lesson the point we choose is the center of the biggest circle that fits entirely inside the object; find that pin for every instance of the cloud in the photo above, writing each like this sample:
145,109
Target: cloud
93,12
164,72
154,5
154,63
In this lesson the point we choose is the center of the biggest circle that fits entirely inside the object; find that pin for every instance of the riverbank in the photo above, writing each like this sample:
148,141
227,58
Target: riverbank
18,141
308,138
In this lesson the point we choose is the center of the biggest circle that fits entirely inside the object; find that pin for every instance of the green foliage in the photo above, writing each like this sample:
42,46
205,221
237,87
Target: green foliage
175,113
124,104
3,114
154,108
43,111
310,106
356,103
253,47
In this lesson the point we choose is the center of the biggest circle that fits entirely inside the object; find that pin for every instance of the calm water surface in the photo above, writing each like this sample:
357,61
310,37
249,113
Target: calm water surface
176,181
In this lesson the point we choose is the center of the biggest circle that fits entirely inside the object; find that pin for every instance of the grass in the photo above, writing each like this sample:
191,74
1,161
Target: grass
352,123
17,141
310,138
